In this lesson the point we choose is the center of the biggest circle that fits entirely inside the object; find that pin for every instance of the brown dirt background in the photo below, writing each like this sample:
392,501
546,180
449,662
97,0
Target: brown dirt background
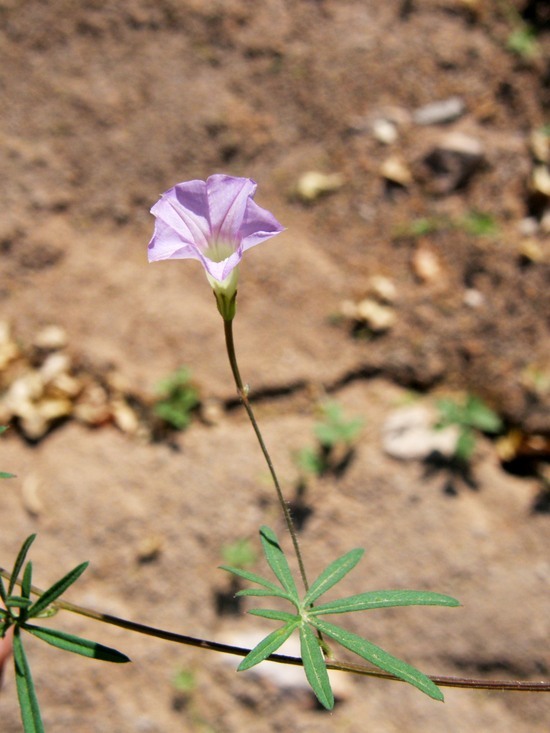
106,106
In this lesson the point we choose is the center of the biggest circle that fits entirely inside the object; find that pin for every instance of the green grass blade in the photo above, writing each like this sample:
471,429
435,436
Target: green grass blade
332,575
76,645
273,614
50,595
278,562
252,577
19,560
315,667
372,653
268,645
28,702
383,599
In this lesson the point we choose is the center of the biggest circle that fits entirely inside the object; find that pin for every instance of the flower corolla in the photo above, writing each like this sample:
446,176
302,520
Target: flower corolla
213,221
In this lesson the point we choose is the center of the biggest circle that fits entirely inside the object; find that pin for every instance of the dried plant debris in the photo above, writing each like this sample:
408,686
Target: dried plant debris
41,386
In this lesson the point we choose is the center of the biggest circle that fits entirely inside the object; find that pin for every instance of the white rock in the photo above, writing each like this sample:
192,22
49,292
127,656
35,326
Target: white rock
313,184
408,434
437,113
384,131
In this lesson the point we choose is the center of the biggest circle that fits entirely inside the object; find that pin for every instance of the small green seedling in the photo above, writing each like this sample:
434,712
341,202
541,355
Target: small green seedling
240,554
333,433
309,622
523,42
471,416
178,399
18,611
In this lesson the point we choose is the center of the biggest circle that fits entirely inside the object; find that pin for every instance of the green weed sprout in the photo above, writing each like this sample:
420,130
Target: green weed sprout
240,554
308,619
470,416
18,611
178,399
332,432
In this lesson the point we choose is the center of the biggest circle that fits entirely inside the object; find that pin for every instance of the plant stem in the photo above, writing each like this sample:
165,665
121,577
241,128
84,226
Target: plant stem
243,394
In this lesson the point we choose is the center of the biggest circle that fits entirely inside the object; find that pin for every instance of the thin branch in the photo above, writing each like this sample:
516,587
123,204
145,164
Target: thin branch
443,681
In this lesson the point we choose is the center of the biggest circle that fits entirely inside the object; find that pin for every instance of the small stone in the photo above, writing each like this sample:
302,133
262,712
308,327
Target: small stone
528,226
539,143
441,112
383,288
393,169
532,250
124,417
453,161
408,434
426,264
540,181
9,351
313,184
384,131
30,495
51,338
377,317
473,298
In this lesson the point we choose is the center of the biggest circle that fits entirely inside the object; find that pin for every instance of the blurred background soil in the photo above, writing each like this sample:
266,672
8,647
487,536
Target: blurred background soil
405,145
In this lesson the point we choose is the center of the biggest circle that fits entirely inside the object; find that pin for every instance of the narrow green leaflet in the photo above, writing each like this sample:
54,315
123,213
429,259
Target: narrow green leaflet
270,588
268,645
383,599
3,594
27,581
50,595
315,667
252,577
263,592
273,614
278,562
28,702
19,560
3,474
332,575
379,658
75,644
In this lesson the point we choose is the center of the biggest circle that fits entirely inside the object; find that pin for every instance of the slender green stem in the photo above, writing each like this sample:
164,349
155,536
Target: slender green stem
464,682
243,394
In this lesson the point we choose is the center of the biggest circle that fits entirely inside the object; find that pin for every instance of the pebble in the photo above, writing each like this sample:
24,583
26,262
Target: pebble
441,112
313,184
408,434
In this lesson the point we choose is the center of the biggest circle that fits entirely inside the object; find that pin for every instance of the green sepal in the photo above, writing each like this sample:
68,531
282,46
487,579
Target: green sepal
377,656
19,560
268,645
273,614
278,562
28,702
332,575
50,595
315,667
77,645
383,599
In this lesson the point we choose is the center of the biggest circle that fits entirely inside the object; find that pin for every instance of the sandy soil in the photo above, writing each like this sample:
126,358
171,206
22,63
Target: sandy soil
106,107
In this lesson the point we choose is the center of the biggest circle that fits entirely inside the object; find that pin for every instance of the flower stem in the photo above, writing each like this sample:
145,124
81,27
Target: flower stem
243,394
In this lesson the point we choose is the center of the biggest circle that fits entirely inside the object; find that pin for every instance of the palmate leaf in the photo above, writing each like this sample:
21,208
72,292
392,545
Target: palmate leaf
332,575
372,653
28,702
75,644
278,562
50,595
268,645
383,599
19,560
315,667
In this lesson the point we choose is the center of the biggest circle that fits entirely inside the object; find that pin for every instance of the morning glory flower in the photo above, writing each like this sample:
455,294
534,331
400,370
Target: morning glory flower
213,221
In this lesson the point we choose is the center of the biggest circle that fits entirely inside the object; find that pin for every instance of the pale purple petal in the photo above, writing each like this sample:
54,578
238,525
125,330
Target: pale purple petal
258,225
227,202
166,244
221,270
185,209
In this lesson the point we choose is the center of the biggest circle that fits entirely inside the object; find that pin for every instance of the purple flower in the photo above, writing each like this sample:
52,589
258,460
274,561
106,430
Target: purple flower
214,221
